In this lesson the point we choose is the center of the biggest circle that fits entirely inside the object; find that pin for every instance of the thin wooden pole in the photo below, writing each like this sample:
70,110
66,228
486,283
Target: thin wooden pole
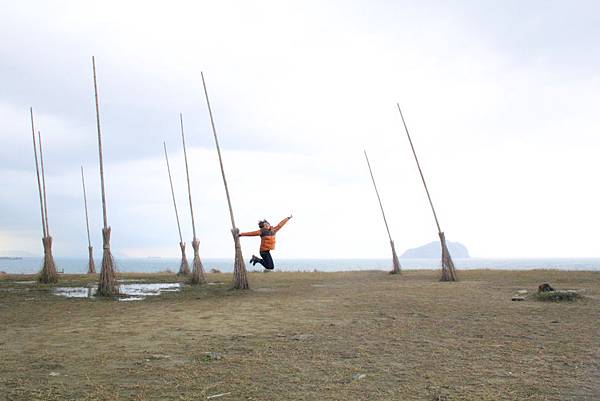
91,263
173,192
48,273
87,221
378,197
104,214
395,261
448,269
240,277
44,184
107,285
37,171
212,123
420,171
198,275
187,173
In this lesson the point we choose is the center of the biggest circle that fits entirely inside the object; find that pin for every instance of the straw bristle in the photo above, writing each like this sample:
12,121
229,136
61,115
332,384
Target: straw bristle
396,269
448,270
91,264
108,286
184,268
48,274
240,277
198,276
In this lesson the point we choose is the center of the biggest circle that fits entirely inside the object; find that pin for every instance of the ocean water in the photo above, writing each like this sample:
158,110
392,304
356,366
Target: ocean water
149,265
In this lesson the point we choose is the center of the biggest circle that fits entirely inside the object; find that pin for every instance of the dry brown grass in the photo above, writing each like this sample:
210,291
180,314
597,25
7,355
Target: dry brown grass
307,336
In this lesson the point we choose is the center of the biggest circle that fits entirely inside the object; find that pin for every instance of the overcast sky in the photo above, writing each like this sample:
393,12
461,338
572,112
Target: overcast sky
501,99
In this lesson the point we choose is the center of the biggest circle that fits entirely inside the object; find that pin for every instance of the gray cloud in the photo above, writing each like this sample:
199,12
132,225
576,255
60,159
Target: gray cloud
501,97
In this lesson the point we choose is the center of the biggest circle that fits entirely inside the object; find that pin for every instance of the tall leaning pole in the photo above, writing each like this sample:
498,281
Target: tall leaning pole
184,267
198,275
240,276
396,269
107,286
448,270
48,274
91,265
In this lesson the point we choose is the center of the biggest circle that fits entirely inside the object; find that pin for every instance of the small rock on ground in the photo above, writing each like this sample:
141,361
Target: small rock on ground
213,356
300,337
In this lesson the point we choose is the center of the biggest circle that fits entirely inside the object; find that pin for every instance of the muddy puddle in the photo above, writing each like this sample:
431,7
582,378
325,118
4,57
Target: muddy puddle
129,292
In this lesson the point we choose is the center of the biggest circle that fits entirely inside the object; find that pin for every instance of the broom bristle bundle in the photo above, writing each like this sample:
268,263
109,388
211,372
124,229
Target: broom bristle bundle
448,270
91,264
48,274
184,268
240,276
396,262
198,276
108,285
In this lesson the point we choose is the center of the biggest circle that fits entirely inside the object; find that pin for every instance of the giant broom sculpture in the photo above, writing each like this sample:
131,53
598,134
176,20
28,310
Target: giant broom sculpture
48,273
395,261
184,267
448,270
198,276
108,286
91,265
240,277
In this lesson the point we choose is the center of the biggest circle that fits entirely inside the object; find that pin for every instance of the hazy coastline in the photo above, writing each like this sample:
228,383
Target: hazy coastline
74,265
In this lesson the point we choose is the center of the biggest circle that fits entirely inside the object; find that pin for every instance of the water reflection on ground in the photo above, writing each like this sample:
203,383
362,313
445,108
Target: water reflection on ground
129,292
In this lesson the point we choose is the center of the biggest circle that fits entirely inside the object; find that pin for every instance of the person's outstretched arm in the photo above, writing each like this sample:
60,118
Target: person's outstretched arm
250,234
281,223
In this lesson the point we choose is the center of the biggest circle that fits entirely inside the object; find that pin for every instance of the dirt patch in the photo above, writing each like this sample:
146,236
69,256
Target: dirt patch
311,336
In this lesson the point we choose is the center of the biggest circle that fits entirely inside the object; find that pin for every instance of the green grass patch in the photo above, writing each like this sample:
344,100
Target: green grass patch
558,296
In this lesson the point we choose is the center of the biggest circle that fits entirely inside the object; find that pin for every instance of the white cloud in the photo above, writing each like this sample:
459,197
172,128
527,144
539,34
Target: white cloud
506,135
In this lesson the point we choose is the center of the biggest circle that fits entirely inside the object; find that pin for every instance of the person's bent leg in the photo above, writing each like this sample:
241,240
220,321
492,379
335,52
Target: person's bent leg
267,260
258,260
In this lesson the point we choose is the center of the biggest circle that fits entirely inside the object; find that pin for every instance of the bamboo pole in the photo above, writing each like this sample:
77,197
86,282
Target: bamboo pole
198,275
48,273
396,268
37,171
104,214
172,192
91,264
87,221
240,276
187,174
184,268
44,184
107,286
448,269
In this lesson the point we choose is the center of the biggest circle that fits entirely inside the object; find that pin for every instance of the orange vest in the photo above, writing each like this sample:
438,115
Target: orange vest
267,237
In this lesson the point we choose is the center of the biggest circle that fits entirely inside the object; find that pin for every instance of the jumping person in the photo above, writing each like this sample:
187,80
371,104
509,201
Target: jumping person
267,242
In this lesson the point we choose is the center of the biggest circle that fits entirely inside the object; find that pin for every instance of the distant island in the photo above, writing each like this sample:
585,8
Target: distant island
433,250
10,258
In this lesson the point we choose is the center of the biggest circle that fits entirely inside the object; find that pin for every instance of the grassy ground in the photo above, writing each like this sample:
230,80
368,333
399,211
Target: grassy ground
307,336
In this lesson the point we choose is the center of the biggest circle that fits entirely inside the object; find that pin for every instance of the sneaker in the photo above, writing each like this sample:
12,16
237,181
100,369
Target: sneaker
253,260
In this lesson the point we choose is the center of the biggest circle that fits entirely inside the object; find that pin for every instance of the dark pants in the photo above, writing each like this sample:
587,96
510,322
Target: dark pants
266,261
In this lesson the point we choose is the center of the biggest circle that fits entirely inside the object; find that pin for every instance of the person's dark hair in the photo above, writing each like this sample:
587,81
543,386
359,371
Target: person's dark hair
262,223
